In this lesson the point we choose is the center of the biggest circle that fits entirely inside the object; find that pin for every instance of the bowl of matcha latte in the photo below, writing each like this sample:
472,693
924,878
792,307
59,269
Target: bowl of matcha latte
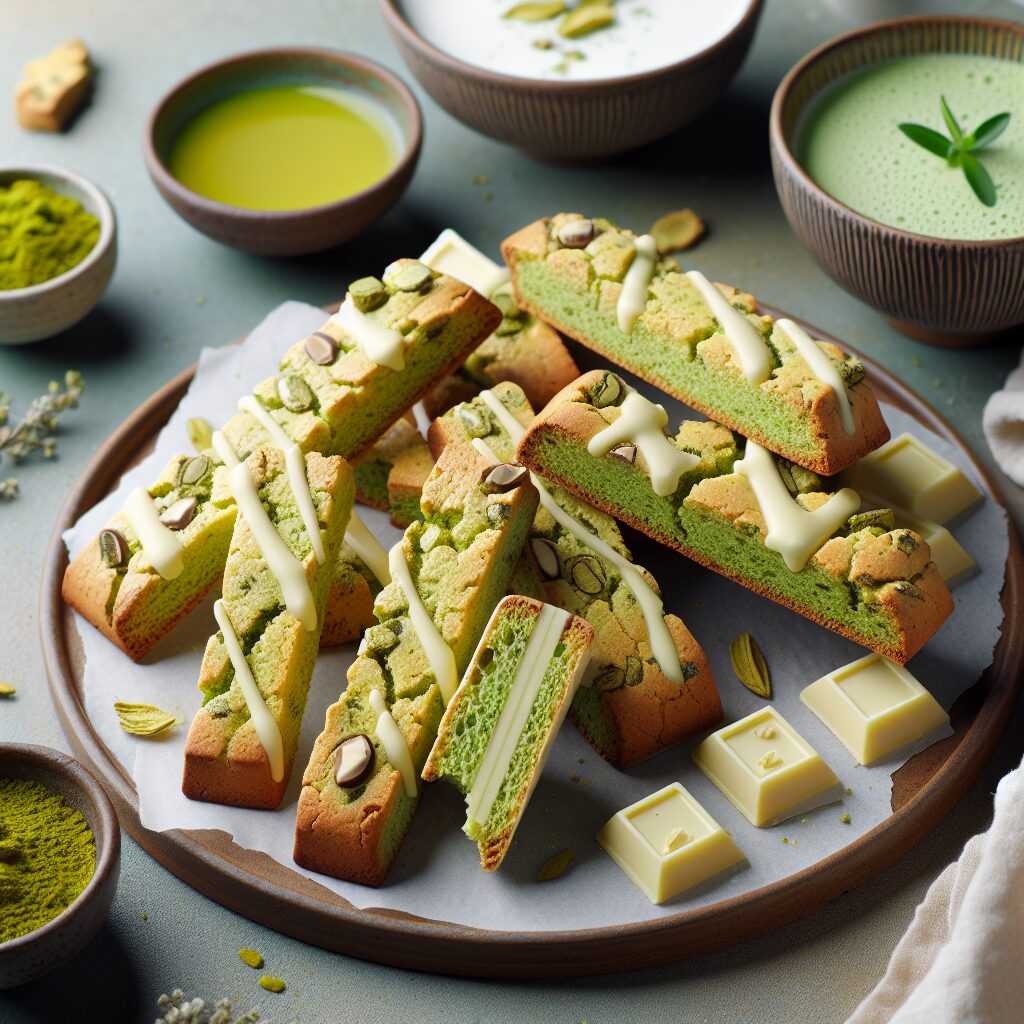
898,155
60,853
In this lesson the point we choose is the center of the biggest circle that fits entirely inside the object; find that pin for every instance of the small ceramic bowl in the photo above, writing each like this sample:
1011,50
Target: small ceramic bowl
574,121
31,956
29,314
941,291
283,232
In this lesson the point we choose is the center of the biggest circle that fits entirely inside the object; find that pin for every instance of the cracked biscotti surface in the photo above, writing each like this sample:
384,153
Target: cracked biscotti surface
516,691
627,707
873,584
225,761
390,477
461,557
678,344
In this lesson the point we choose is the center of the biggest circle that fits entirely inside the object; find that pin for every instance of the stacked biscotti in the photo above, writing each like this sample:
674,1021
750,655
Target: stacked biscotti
630,706
390,477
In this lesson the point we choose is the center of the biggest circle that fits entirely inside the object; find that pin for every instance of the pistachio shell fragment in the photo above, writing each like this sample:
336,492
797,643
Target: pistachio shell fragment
749,665
502,477
586,19
547,557
321,348
577,234
535,11
113,549
677,230
557,866
295,394
200,433
624,453
180,514
353,761
368,293
195,469
143,719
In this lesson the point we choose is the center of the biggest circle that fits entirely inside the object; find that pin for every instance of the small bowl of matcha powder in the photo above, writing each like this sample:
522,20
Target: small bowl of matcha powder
59,857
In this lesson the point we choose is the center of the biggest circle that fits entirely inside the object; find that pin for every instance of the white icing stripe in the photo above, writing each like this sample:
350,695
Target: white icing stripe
222,446
159,544
439,654
643,423
540,649
822,367
381,345
451,254
663,647
267,730
793,531
633,296
289,572
251,405
368,548
393,741
750,346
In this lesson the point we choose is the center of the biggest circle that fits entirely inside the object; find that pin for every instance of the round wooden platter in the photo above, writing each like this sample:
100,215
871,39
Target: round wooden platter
252,884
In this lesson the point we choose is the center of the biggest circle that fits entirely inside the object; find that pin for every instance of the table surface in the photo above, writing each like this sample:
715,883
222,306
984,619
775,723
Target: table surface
175,291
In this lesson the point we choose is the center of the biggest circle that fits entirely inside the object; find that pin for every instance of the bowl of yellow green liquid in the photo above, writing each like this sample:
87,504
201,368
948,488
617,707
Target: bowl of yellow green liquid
284,152
898,155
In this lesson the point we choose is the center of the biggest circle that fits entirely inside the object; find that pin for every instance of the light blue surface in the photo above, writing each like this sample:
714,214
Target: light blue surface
175,291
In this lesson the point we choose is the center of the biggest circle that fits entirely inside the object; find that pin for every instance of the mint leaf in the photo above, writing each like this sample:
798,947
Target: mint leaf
951,122
987,132
935,142
979,179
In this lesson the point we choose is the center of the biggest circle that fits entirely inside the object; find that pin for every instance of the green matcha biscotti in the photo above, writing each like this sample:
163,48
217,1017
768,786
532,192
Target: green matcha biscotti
735,508
703,343
628,706
390,477
257,668
499,727
449,571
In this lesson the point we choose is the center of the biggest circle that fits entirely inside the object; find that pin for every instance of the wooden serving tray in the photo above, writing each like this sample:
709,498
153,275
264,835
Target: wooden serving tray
254,885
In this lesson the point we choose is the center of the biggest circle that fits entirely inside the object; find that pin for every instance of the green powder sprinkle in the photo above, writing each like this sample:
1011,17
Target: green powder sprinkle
845,819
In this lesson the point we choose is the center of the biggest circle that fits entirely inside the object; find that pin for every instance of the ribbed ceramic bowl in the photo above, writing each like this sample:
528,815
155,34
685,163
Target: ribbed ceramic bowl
283,232
574,121
31,956
945,292
30,314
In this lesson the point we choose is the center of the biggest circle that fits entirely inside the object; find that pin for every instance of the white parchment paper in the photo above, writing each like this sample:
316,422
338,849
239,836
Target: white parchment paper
437,874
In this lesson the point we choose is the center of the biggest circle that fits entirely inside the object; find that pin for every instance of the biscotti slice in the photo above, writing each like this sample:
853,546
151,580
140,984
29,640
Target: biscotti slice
257,668
449,571
733,507
157,558
703,343
390,477
499,727
641,695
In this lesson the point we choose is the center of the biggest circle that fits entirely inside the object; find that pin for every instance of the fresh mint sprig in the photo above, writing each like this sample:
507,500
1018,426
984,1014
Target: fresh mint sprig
959,151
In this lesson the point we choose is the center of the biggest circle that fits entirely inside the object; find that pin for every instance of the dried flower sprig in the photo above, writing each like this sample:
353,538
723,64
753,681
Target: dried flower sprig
179,1010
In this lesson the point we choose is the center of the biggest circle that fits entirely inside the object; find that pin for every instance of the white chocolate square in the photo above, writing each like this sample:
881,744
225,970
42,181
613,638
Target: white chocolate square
908,472
451,254
766,768
667,843
874,707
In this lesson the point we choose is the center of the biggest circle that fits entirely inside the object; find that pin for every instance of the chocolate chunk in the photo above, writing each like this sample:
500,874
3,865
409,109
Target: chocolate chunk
547,557
295,394
113,549
353,761
180,514
502,477
195,469
321,348
625,453
368,293
577,234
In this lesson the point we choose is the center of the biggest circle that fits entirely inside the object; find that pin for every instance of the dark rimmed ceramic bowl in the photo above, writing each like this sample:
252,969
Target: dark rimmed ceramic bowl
942,291
574,121
283,232
31,956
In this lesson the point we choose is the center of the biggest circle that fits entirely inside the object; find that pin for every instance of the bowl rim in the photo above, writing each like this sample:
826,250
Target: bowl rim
109,829
413,140
398,24
104,213
793,166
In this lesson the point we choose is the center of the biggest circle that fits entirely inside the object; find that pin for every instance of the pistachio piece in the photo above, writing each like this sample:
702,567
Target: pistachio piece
586,574
6,690
611,677
852,371
143,719
295,394
368,293
200,433
877,517
195,469
908,590
586,19
634,670
674,840
474,421
413,278
547,557
353,761
180,514
609,390
577,234
690,671
624,453
507,304
252,957
557,866
749,665
497,514
321,348
907,542
677,230
503,477
218,707
507,326
535,11
379,638
113,549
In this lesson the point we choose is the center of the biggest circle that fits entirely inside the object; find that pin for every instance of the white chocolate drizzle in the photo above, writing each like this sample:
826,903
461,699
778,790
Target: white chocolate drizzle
663,647
394,743
451,254
368,548
642,422
753,353
822,367
289,572
794,532
222,446
439,654
381,345
267,730
633,296
159,544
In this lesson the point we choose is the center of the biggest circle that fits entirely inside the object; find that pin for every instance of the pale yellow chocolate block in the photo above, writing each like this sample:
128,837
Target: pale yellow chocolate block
667,843
875,707
767,769
906,471
53,87
451,254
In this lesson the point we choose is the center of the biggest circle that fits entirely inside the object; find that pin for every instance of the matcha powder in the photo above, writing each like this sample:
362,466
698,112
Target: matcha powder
47,856
42,234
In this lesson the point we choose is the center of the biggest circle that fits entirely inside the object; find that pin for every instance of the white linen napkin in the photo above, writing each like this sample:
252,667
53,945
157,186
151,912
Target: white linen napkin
1003,421
959,962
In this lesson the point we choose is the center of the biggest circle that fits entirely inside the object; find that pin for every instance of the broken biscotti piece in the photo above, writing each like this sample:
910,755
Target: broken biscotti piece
53,87
257,668
499,727
649,683
448,571
706,344
390,477
735,508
